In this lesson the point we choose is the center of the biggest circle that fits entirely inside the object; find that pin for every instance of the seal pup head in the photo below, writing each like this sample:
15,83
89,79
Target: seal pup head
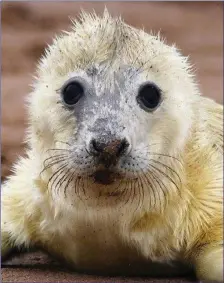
110,111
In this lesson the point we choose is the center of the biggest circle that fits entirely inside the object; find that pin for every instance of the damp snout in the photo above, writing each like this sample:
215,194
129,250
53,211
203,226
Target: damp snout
107,152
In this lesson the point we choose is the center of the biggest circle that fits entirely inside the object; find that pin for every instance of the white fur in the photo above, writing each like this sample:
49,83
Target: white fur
88,231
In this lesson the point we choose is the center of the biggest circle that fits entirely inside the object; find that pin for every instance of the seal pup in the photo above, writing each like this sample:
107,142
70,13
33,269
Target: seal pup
123,166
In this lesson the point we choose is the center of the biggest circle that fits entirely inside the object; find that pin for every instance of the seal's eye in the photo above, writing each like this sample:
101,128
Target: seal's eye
72,92
149,96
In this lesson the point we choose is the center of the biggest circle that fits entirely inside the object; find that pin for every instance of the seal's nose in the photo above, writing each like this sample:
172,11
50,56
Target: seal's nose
109,152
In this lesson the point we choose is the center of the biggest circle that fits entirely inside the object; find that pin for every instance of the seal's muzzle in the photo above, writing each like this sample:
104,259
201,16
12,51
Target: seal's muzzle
108,153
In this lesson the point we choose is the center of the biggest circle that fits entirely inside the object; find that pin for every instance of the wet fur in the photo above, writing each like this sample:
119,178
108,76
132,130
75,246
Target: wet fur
171,211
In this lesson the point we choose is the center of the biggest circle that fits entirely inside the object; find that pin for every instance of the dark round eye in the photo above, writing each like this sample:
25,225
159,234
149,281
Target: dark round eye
149,96
72,93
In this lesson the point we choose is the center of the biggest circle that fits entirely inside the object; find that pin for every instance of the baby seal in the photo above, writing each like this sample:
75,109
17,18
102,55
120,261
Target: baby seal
123,167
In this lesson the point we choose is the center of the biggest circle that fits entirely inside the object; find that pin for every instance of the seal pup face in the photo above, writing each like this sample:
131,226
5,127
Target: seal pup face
110,113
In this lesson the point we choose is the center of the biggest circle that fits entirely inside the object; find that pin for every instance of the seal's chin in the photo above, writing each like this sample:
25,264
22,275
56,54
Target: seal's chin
105,176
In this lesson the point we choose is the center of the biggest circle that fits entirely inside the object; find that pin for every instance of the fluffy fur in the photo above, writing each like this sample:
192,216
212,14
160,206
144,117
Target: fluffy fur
168,206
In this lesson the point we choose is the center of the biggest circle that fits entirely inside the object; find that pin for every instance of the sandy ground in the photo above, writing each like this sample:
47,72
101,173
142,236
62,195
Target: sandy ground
27,28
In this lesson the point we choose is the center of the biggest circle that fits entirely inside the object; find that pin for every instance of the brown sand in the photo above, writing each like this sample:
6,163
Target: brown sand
27,27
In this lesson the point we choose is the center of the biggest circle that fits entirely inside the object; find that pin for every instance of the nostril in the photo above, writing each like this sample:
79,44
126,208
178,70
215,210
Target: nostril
95,146
122,147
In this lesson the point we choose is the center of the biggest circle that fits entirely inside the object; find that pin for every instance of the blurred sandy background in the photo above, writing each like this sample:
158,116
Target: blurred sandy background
196,27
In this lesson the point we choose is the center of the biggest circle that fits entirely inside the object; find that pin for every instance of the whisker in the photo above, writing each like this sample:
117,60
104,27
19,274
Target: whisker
161,185
53,158
123,192
117,190
58,149
151,187
148,146
52,164
164,174
126,192
55,174
77,188
83,188
134,191
141,193
160,154
68,182
132,195
61,180
67,143
169,168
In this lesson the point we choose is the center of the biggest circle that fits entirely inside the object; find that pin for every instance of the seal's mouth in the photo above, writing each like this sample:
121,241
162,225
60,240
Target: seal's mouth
105,176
